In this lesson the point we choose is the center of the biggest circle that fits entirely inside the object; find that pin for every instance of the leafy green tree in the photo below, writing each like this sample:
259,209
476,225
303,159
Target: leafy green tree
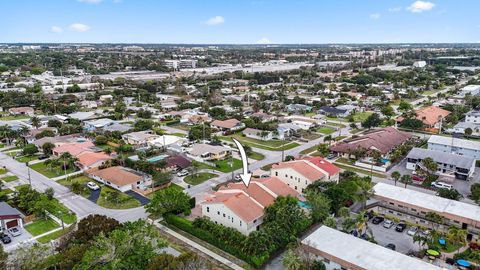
372,120
91,226
323,149
320,205
143,124
3,259
199,132
30,149
169,200
451,194
396,176
292,261
35,122
457,236
388,111
475,192
101,140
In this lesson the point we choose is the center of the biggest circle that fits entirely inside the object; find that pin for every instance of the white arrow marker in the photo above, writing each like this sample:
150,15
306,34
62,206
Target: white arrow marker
245,175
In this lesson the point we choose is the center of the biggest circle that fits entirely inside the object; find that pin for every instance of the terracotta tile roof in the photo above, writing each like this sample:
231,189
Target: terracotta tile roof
21,110
230,123
278,187
383,140
88,159
74,148
430,115
118,175
303,167
324,165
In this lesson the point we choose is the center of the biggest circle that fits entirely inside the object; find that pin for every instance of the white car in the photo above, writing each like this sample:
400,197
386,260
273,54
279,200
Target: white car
438,184
412,231
182,173
91,185
15,231
388,224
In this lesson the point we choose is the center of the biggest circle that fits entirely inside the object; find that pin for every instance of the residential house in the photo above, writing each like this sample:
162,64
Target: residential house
334,112
167,140
207,152
177,162
97,124
339,250
264,117
22,111
298,108
298,174
75,148
263,135
303,122
459,167
431,116
383,140
455,146
242,208
120,178
140,138
88,160
82,116
230,125
10,217
472,122
117,127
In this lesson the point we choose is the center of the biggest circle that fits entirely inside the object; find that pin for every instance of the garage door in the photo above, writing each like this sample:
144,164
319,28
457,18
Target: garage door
12,223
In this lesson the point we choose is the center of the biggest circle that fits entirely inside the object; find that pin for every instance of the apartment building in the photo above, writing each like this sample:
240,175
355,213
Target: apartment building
454,146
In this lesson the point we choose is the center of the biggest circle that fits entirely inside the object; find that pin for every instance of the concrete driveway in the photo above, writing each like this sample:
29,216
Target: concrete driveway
25,237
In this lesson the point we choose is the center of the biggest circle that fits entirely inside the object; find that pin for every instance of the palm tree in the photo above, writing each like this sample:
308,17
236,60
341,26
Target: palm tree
364,192
330,222
420,239
343,212
396,176
291,261
107,150
430,165
457,236
35,122
406,179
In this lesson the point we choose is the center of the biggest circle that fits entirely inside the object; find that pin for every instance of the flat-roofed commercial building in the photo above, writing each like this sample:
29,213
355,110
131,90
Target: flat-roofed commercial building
413,206
338,250
455,146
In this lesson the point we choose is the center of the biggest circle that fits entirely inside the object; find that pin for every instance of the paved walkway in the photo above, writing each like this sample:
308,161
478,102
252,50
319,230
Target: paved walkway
67,175
197,246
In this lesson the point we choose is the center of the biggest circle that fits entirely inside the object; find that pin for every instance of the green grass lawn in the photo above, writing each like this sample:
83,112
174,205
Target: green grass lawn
358,170
50,173
62,212
309,150
41,226
52,236
221,165
178,134
24,159
21,186
273,145
80,179
2,145
335,124
198,178
338,138
336,119
361,116
10,178
172,186
123,202
355,131
326,130
14,117
256,156
3,171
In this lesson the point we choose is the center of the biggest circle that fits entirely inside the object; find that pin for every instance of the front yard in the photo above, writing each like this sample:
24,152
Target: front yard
51,172
198,178
114,199
326,130
41,226
82,180
273,145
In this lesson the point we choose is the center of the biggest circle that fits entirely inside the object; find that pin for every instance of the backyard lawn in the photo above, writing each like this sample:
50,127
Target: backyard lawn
361,116
256,156
326,130
50,172
198,178
10,178
221,165
273,145
41,226
172,186
114,199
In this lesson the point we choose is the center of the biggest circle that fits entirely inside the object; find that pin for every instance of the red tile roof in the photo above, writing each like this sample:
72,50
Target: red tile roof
230,123
118,175
87,159
74,148
303,167
384,140
324,165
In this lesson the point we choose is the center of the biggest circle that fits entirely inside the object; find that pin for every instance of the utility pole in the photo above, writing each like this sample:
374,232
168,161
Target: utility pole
29,177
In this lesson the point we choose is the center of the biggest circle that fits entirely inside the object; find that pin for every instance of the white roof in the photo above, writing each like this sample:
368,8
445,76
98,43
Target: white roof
168,139
428,201
455,142
362,253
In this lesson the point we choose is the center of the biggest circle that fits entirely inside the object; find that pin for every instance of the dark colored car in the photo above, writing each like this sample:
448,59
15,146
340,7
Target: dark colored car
391,246
400,227
5,239
378,220
369,215
42,157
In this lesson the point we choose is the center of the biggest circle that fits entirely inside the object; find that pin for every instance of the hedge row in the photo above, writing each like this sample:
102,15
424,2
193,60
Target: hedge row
186,225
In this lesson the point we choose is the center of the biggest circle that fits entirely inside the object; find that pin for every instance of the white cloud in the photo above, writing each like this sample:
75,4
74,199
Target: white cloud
395,9
79,27
90,1
215,20
56,29
264,41
420,6
375,16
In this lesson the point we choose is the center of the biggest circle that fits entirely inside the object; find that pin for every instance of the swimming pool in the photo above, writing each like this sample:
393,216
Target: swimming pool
157,158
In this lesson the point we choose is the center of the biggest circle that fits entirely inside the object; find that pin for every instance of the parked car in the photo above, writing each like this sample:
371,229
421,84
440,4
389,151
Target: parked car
378,220
391,246
93,186
439,184
412,231
331,156
42,157
388,224
369,215
15,231
425,232
417,178
182,173
237,178
400,227
5,238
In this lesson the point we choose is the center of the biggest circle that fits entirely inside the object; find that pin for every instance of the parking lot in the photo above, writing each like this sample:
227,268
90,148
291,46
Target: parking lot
403,242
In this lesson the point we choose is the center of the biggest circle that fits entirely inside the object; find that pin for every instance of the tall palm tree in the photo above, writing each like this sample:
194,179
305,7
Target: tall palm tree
406,179
396,176
420,239
457,235
291,261
364,192
35,122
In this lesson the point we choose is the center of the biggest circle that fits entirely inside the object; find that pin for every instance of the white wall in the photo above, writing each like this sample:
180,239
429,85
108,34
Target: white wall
221,214
292,178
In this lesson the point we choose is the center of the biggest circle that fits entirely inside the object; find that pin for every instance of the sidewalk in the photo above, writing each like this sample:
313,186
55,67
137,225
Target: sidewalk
197,246
67,175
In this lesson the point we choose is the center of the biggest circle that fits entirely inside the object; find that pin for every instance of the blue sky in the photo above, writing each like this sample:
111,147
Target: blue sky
240,21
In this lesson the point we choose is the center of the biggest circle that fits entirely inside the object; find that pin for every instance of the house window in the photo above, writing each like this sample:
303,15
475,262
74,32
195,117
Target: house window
208,209
224,215
218,213
276,173
240,223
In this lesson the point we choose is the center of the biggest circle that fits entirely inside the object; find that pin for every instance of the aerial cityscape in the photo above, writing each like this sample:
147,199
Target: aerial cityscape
290,135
